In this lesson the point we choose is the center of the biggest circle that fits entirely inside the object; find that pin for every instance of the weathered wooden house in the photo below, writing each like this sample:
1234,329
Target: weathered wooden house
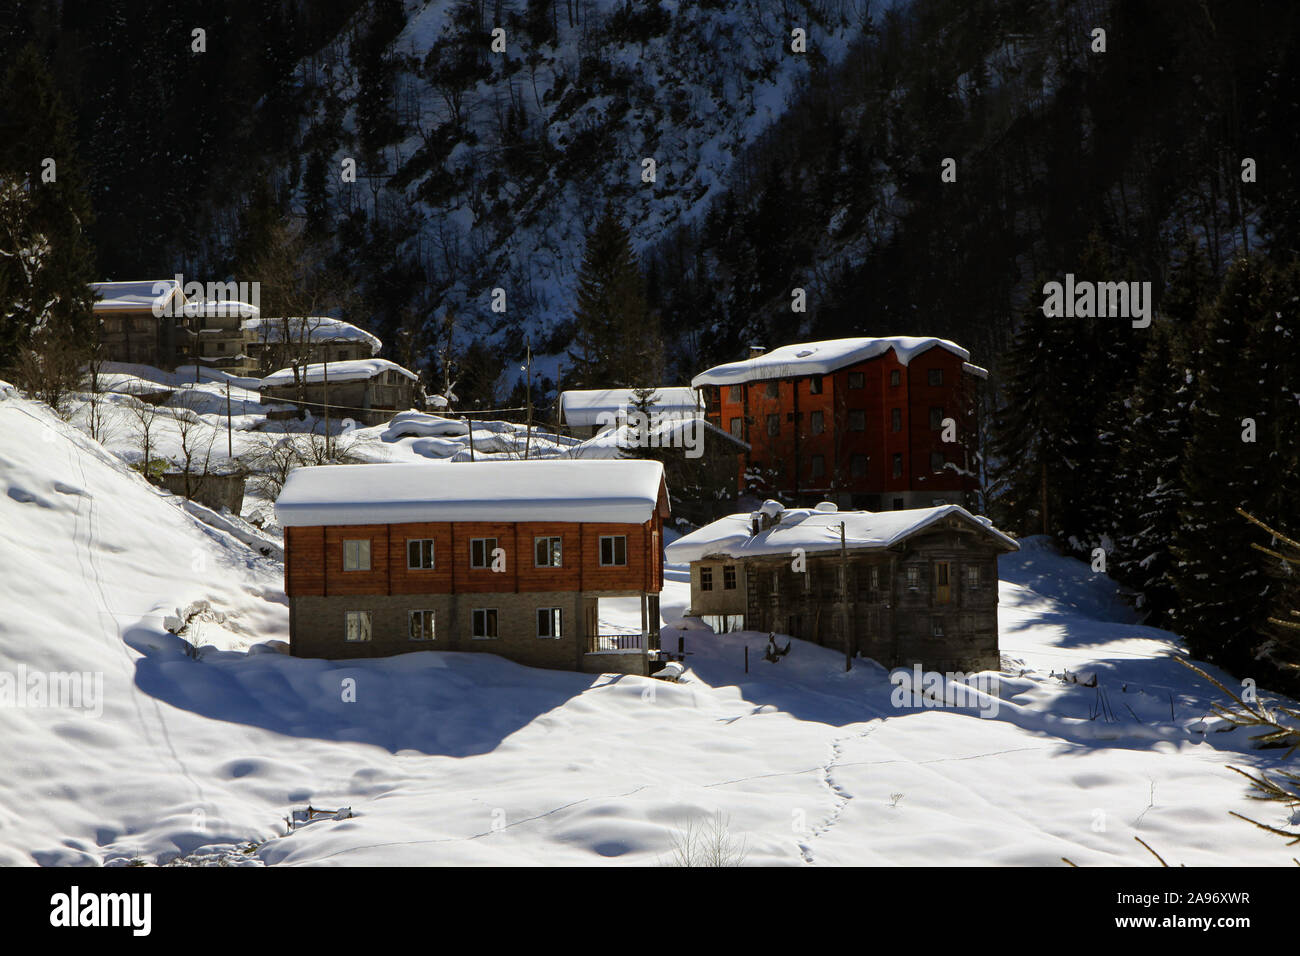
916,586
371,391
220,334
144,323
878,423
509,557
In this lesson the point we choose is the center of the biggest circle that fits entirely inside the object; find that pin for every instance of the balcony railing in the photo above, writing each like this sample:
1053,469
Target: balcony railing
614,643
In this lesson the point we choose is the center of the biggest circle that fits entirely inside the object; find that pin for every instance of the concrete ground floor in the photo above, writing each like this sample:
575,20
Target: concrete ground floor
555,629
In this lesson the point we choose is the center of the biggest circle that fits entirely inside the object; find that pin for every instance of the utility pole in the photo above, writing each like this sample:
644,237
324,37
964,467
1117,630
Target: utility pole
230,442
528,366
325,396
844,602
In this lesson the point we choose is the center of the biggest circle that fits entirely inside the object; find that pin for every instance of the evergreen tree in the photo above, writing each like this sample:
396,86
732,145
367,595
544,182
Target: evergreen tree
38,150
1157,438
1217,575
616,342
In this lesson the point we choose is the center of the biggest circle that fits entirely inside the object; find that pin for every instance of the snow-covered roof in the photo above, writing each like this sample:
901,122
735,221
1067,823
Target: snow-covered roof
354,370
583,407
813,529
821,358
318,328
562,490
135,296
220,308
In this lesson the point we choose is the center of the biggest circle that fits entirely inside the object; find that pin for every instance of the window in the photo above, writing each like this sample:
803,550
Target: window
875,578
728,577
485,623
550,621
480,552
898,504
972,577
935,376
613,549
936,418
774,424
898,465
773,389
913,577
819,466
818,422
896,419
942,582
342,356
706,578
356,554
895,378
419,553
857,380
221,347
548,552
857,420
420,625
807,580
815,385
356,625
734,394
936,626
858,466
737,428
936,461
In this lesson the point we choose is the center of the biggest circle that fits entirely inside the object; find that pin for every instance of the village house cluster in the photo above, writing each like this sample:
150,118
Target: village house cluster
869,442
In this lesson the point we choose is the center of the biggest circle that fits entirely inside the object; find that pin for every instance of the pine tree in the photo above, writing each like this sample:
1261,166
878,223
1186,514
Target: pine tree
1217,576
1157,437
615,336
38,149
1036,445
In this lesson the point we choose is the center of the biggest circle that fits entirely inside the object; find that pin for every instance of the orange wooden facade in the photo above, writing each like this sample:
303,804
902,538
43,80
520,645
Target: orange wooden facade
875,437
314,558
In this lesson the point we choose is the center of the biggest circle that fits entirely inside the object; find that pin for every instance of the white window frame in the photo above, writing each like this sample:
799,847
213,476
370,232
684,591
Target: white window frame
706,577
353,554
913,577
613,539
555,557
424,616
552,620
487,553
489,613
421,542
357,623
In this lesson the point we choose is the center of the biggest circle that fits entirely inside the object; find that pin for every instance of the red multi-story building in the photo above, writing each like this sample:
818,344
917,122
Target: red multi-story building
874,423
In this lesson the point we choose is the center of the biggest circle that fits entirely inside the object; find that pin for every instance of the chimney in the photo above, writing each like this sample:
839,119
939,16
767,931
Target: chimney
756,350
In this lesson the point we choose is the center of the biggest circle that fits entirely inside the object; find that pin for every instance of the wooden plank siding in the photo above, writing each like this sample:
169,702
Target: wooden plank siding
314,559
792,448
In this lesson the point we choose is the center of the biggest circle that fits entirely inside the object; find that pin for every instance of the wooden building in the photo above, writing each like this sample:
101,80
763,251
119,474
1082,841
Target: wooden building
907,587
275,342
864,422
221,337
144,323
371,391
509,557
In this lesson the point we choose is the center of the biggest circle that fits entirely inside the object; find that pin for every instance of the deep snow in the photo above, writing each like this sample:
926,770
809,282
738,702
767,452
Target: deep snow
469,759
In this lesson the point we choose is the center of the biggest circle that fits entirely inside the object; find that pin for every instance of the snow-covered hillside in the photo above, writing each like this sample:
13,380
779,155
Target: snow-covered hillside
505,150
469,759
